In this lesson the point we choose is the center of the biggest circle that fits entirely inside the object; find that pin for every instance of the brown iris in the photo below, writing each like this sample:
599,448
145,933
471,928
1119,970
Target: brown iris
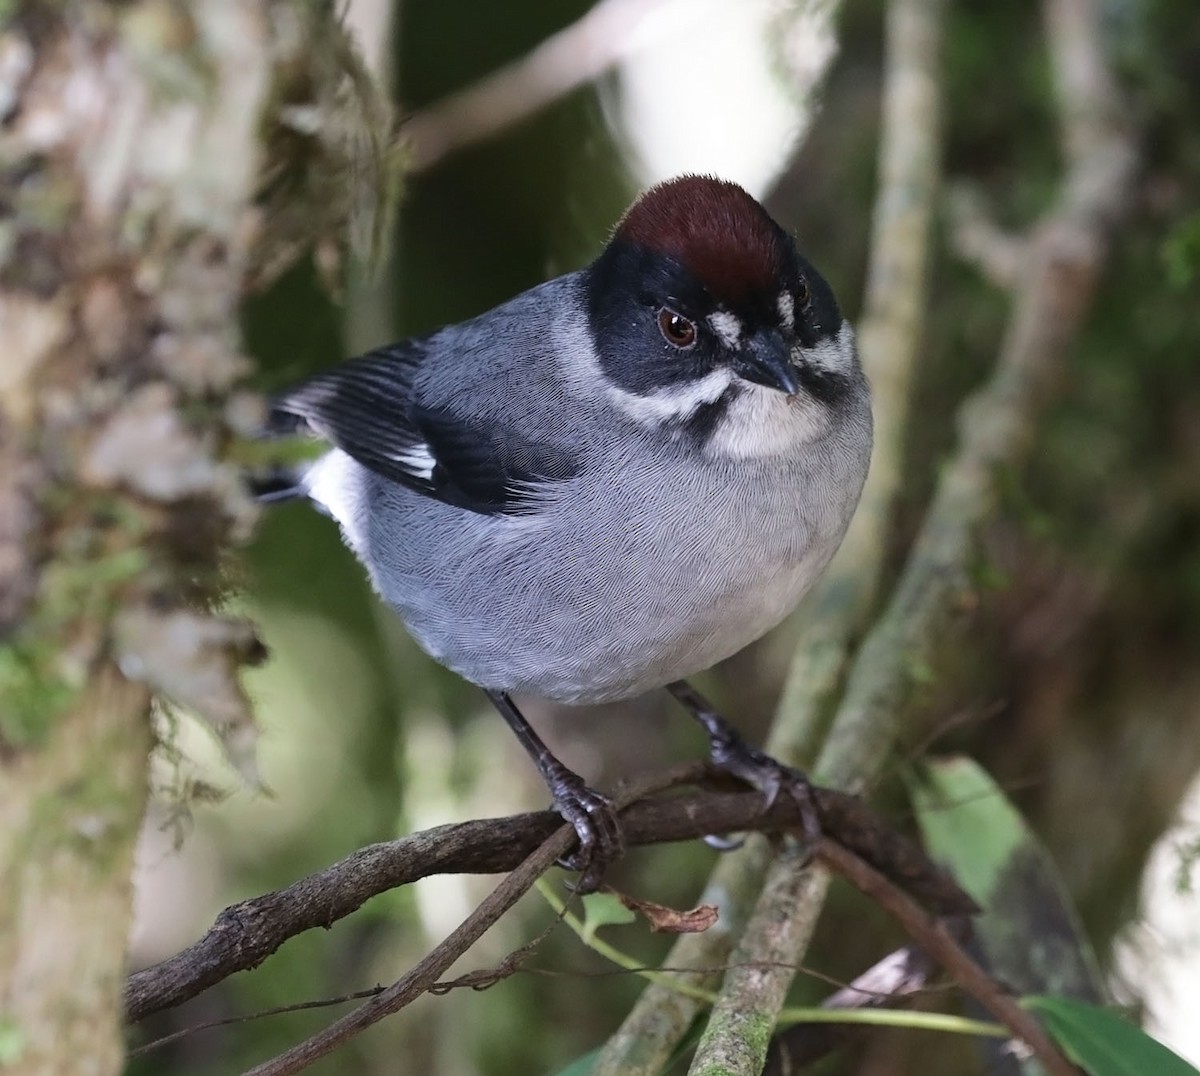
676,329
802,292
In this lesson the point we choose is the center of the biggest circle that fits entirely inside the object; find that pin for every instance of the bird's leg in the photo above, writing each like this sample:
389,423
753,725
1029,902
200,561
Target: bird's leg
730,753
590,812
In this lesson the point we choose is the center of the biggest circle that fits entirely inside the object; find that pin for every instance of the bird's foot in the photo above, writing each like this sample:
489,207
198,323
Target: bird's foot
596,825
729,753
590,813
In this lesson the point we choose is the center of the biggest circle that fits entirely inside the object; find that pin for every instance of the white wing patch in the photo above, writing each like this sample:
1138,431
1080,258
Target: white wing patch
417,460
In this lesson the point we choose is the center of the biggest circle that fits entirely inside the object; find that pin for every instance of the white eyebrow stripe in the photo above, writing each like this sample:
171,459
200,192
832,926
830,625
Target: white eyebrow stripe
787,309
727,327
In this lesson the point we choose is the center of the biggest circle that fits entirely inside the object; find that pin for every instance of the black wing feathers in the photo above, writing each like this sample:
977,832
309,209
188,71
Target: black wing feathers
367,407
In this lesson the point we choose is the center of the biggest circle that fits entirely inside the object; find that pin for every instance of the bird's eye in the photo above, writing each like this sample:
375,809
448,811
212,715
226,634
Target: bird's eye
802,292
676,329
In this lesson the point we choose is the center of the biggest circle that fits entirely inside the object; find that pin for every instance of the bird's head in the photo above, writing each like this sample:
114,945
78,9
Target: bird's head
706,319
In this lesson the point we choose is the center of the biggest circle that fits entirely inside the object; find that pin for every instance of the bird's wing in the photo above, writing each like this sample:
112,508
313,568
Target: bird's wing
372,409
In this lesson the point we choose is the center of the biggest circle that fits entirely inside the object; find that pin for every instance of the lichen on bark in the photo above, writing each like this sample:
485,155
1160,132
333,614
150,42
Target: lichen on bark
135,204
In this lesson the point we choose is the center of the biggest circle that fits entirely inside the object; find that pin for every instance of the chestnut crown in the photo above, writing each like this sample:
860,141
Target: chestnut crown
698,278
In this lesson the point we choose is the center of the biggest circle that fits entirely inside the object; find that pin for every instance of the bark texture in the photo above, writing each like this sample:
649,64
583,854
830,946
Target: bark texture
129,166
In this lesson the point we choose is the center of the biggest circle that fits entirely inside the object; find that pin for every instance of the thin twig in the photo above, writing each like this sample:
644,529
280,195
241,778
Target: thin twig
425,974
261,1014
248,932
979,240
420,978
935,938
563,62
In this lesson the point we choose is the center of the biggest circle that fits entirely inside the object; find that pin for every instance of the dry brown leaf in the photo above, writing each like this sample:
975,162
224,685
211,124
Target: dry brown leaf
665,920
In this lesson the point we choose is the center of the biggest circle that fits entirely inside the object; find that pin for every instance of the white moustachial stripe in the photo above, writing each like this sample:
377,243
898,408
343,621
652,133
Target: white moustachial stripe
670,404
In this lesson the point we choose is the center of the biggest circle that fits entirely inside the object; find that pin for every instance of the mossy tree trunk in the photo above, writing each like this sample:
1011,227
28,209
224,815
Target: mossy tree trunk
129,163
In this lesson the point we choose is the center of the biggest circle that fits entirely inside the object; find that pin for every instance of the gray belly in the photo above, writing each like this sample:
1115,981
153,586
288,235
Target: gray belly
618,596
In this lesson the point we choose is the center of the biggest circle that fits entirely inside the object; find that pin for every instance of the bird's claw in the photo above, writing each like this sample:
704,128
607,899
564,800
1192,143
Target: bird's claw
732,755
595,822
723,844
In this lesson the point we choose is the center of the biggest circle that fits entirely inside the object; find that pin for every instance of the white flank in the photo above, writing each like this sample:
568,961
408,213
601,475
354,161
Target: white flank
727,327
671,404
335,483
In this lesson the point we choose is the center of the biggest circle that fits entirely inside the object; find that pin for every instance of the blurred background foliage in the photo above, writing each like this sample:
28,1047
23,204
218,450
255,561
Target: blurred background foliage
1078,685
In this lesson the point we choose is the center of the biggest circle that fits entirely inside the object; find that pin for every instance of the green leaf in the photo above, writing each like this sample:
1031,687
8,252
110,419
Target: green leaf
1029,930
1103,1043
602,910
967,822
581,1066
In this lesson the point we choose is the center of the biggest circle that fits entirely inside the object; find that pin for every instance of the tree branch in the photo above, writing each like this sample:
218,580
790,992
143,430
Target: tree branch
563,62
677,818
937,940
246,933
118,300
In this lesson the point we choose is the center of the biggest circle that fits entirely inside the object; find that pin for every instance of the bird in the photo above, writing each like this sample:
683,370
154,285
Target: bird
609,483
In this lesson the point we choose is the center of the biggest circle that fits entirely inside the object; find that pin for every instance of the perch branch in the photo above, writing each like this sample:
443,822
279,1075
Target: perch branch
845,814
247,933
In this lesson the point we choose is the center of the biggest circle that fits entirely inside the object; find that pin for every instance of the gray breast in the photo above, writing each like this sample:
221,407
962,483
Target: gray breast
642,570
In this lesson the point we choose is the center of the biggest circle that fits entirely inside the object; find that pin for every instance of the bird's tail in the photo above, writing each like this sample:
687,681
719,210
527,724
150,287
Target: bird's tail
274,482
